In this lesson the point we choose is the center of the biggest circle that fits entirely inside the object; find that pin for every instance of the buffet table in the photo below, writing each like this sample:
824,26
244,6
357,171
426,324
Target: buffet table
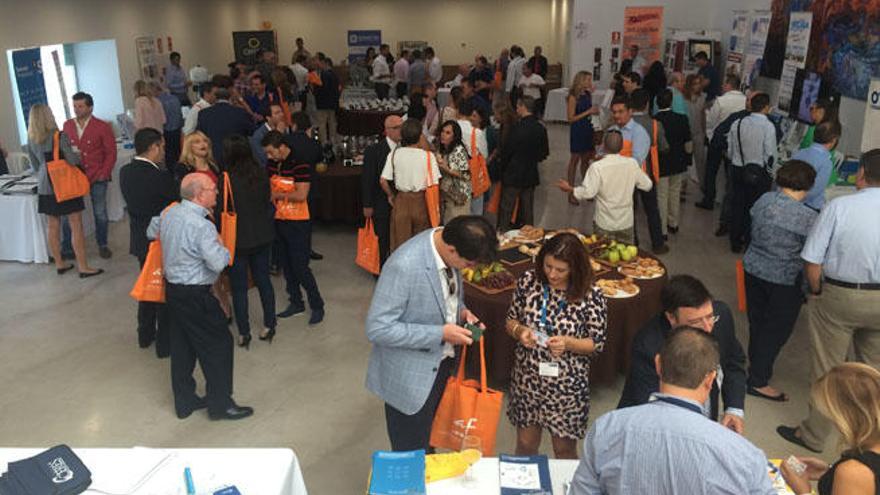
362,122
556,109
336,195
625,318
142,471
486,479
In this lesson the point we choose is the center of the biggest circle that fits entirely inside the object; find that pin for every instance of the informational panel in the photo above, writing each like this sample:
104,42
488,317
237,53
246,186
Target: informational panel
643,26
29,79
871,134
736,48
247,43
796,48
759,25
148,58
359,41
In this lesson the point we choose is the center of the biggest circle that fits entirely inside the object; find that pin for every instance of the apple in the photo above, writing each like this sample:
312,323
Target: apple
625,256
633,251
614,256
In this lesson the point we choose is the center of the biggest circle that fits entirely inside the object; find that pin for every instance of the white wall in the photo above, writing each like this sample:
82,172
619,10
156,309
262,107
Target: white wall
97,66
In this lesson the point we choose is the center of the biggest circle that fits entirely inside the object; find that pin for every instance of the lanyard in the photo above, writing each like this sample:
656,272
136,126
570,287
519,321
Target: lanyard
681,403
544,299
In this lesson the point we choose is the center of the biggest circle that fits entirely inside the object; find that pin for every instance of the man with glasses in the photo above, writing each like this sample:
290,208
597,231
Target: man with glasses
687,303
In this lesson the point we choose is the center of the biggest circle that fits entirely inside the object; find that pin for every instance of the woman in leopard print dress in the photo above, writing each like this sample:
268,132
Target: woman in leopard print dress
550,383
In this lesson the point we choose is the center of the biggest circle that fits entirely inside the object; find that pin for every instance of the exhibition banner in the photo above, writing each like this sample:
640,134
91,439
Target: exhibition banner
798,38
247,43
359,41
758,29
29,79
737,47
871,132
643,26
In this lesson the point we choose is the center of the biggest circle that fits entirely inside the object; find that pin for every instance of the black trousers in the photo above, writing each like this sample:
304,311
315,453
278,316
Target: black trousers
727,200
153,323
525,213
172,146
714,156
382,227
743,198
382,90
400,89
648,199
199,333
257,260
413,432
773,310
296,239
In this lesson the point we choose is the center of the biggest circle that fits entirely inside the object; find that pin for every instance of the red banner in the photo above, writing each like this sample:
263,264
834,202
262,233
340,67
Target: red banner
643,26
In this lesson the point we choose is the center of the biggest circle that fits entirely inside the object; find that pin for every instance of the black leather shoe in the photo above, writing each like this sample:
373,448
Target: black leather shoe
790,434
200,403
91,274
233,412
104,252
722,231
672,230
145,341
292,310
316,256
705,206
317,316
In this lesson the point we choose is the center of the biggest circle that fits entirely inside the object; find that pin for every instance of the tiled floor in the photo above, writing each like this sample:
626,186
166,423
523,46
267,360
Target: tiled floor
72,373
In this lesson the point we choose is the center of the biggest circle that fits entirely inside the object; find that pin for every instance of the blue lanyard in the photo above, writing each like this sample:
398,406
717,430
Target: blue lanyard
544,300
681,403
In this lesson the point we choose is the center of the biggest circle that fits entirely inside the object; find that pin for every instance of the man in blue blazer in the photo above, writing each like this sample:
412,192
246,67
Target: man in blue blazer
415,320
222,120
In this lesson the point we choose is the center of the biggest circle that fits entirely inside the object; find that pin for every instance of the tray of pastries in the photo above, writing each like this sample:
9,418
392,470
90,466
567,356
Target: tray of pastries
642,268
619,288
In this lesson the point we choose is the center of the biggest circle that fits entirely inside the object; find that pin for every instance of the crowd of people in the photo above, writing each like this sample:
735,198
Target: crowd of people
253,140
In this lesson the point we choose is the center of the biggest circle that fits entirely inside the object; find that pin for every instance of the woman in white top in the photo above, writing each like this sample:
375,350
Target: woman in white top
407,166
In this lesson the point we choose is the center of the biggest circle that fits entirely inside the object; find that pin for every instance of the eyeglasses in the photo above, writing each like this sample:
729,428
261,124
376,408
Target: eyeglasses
708,320
450,280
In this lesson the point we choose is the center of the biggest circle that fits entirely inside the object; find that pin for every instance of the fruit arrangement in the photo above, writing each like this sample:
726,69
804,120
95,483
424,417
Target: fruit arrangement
492,276
617,252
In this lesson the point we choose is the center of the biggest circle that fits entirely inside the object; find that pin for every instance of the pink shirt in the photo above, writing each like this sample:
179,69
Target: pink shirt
148,112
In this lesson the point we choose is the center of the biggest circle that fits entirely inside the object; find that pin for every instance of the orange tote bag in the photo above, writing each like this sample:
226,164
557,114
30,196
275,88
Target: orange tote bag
228,219
368,248
432,196
68,181
150,284
480,180
467,408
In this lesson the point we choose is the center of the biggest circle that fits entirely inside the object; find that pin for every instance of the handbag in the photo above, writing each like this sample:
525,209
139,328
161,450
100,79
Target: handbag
467,408
68,181
228,219
432,196
150,284
754,174
368,248
480,180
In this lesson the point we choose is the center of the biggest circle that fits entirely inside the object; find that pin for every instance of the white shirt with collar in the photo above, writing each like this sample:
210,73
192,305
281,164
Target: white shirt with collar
466,129
192,118
612,181
408,168
300,73
758,136
381,72
514,72
435,70
531,85
80,129
391,144
724,105
450,297
157,167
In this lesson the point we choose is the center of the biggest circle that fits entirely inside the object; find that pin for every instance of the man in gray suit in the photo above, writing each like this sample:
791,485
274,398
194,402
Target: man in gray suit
415,320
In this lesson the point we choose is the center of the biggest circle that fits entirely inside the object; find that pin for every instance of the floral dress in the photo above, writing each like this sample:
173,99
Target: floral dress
560,404
457,189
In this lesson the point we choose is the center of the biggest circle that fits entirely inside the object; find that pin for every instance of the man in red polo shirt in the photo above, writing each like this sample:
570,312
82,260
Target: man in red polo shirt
97,147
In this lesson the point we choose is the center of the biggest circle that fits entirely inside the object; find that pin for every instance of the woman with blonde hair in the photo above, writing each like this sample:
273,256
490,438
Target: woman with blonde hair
849,396
148,111
196,157
580,109
41,147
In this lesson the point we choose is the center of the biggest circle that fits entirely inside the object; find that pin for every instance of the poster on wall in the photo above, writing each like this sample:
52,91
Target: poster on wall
29,79
737,46
777,35
759,25
246,44
844,44
147,58
798,38
643,26
871,133
411,45
359,41
786,86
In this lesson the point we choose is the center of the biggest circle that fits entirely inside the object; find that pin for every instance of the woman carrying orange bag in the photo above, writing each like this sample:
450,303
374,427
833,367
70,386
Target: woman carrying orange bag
45,145
558,318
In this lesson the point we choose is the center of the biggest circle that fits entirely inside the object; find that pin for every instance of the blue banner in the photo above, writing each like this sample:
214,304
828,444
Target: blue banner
359,41
29,78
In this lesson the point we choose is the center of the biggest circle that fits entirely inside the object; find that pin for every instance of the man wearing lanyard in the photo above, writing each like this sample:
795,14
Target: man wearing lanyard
637,144
192,259
416,318
668,445
844,249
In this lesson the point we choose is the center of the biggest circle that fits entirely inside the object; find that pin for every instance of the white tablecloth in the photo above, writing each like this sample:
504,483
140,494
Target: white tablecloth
23,230
443,95
556,108
141,471
486,479
833,192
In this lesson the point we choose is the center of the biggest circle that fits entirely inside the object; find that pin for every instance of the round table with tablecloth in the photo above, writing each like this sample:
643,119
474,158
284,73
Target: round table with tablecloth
625,318
362,122
336,194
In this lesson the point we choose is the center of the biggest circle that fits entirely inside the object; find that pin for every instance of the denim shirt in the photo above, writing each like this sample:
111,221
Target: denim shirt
780,226
192,253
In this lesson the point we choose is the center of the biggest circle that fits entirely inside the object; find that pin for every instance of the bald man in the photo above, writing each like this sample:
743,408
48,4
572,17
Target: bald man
375,204
192,259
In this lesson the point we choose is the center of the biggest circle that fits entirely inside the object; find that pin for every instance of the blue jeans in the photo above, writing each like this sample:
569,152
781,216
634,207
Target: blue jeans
296,239
258,262
99,208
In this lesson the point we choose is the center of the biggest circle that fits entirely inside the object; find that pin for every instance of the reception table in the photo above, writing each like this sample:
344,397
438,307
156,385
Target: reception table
625,318
143,471
337,194
362,122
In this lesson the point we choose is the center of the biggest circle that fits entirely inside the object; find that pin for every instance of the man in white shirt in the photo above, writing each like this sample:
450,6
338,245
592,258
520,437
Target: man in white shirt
381,73
401,74
612,181
435,69
467,115
639,64
532,84
463,71
751,141
301,74
207,99
733,100
514,69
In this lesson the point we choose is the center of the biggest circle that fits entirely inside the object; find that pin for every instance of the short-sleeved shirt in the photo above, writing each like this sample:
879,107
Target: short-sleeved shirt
300,172
846,238
780,225
408,168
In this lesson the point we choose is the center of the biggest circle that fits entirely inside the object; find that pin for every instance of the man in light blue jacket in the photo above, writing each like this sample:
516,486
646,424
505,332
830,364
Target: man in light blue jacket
415,320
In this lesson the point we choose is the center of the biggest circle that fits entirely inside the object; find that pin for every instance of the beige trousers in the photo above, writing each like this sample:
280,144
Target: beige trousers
669,200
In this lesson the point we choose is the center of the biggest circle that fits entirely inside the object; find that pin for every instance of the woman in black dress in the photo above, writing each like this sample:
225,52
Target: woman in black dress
849,396
41,150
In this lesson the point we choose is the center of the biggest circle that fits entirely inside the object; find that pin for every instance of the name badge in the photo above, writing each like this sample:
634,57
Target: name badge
548,369
541,338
